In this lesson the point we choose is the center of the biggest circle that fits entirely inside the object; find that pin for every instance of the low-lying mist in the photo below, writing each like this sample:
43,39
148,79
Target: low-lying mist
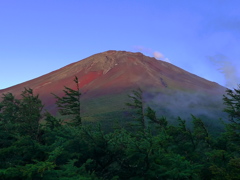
182,104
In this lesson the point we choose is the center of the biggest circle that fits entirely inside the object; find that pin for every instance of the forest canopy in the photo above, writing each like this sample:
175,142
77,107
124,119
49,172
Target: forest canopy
37,145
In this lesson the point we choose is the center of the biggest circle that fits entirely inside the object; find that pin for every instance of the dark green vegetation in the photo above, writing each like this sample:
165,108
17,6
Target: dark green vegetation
149,148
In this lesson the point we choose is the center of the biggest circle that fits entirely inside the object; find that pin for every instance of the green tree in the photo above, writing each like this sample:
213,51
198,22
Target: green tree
137,105
9,108
151,115
69,104
30,114
232,102
22,115
20,133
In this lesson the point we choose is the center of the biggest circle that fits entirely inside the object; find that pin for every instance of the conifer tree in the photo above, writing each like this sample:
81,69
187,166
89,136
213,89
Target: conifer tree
69,104
232,102
9,107
8,113
138,105
200,132
151,114
22,115
19,132
30,113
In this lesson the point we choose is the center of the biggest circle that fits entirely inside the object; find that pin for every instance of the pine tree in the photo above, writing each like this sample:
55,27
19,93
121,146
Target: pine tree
9,107
20,132
232,102
138,105
22,115
69,104
30,113
161,122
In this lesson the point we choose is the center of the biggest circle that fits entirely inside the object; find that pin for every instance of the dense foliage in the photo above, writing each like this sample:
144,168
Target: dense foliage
151,149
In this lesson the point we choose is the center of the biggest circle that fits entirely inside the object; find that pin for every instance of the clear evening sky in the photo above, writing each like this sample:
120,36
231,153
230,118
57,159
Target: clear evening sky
40,36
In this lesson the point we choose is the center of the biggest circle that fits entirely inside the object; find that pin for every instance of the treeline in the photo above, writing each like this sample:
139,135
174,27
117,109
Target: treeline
36,145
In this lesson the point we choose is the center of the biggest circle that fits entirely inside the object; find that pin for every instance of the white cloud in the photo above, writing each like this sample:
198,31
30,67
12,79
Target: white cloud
158,55
167,60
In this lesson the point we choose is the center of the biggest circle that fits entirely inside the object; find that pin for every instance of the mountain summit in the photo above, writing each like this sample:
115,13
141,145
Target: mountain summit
104,76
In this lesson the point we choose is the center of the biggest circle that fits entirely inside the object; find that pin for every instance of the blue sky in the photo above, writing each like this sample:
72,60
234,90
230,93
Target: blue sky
40,36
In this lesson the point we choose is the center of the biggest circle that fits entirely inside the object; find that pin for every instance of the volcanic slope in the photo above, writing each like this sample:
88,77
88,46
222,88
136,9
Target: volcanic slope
106,78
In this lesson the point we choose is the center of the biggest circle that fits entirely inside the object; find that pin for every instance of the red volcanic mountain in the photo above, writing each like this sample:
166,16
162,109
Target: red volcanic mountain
106,79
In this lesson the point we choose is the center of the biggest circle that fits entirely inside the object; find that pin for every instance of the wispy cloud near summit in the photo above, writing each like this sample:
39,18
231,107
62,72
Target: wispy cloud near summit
156,54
